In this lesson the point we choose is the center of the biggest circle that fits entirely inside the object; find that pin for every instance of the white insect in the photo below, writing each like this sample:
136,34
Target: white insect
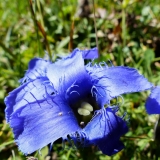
60,113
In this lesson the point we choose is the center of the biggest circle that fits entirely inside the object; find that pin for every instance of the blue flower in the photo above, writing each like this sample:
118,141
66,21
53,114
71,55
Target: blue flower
46,105
153,101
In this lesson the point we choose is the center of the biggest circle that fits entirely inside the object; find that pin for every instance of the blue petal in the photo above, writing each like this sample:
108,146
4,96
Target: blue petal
86,54
70,77
36,68
104,130
112,148
153,101
27,93
38,115
110,82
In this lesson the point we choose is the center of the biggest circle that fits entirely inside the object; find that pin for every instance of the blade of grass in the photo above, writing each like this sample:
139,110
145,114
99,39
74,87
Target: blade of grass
5,48
6,144
68,154
13,154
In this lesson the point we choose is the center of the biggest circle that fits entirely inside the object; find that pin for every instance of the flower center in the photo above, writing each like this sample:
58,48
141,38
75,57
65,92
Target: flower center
85,109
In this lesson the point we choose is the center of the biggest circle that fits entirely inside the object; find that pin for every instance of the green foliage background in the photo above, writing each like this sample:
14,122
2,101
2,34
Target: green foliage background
128,34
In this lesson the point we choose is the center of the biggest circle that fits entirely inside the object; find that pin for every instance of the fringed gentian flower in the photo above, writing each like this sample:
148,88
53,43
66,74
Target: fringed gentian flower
52,97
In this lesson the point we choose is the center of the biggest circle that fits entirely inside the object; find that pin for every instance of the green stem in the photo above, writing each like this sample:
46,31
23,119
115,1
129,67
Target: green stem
42,30
121,58
36,27
20,58
95,27
156,59
124,27
40,11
